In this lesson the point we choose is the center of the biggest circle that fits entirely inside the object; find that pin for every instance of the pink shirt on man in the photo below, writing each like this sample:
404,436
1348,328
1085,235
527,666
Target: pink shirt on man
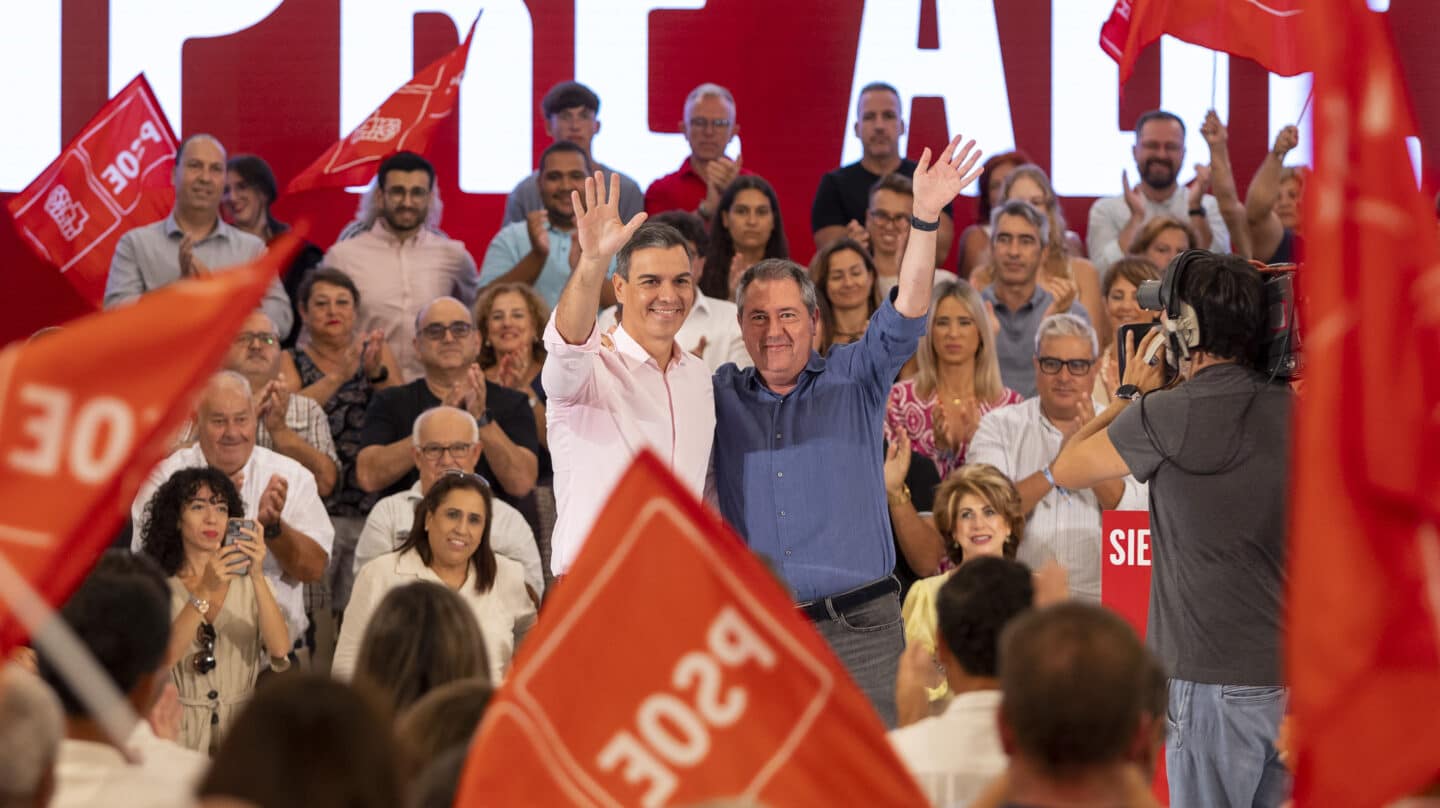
602,407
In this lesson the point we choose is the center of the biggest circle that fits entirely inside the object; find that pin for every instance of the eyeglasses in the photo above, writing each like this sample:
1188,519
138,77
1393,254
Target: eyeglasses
1050,366
434,451
462,473
204,660
436,331
247,337
892,219
709,123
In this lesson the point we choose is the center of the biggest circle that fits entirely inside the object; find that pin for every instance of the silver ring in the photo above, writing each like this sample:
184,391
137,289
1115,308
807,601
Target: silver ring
1153,360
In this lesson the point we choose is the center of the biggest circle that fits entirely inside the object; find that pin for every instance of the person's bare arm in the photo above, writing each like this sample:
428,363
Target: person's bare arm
829,234
935,186
920,543
600,234
380,465
300,556
527,269
1264,191
274,402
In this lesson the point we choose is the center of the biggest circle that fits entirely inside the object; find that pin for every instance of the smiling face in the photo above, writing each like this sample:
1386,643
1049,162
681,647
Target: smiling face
200,176
456,528
225,424
1167,244
405,200
1160,152
330,311
980,529
243,203
561,173
1123,307
658,295
778,331
954,334
510,328
750,220
202,520
848,283
1287,205
887,220
879,126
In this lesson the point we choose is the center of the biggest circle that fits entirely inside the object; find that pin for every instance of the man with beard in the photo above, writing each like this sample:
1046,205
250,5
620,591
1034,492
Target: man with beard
1159,155
541,249
842,200
193,239
400,265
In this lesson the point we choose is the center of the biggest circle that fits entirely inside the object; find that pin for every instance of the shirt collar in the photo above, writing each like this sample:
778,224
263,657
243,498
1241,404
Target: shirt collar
172,228
815,365
702,302
626,346
1036,297
415,491
380,231
410,563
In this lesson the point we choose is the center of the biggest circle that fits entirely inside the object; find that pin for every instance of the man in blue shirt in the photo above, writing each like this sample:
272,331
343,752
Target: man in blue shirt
798,449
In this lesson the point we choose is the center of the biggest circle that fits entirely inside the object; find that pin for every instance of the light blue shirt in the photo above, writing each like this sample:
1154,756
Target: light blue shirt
512,244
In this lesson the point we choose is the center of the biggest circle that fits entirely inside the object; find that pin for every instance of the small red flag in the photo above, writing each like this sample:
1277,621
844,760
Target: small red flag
85,413
1364,597
670,667
114,176
1267,31
404,122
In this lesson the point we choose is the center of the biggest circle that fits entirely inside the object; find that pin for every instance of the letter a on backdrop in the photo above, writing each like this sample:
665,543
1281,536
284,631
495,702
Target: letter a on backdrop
85,413
670,667
405,122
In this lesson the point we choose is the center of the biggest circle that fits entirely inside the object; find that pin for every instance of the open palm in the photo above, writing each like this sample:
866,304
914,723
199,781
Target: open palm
935,185
597,218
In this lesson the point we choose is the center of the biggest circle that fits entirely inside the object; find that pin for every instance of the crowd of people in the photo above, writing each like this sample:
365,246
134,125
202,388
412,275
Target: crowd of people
406,449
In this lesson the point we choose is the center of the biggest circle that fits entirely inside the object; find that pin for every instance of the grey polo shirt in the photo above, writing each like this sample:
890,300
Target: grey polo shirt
148,258
1015,344
526,196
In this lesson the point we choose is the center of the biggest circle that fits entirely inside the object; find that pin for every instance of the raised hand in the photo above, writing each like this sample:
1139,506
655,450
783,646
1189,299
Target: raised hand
1213,130
1062,289
513,369
270,407
190,266
856,232
991,317
1199,185
600,233
1287,139
272,501
1134,200
537,226
371,353
474,383
737,269
897,461
1146,375
935,185
720,172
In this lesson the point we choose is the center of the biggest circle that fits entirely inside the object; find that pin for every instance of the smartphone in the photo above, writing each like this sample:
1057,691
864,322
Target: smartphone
1137,331
233,528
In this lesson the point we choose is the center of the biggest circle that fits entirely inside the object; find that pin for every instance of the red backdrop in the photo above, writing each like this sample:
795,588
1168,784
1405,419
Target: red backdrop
273,89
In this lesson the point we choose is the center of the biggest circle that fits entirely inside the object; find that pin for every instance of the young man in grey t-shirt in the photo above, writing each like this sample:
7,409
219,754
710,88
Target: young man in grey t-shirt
1215,451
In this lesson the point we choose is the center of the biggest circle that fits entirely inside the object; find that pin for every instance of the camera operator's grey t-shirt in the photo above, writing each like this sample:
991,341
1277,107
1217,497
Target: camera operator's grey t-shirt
1217,539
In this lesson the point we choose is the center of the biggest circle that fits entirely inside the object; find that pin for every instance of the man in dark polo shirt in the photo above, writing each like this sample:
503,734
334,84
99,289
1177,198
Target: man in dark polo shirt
843,197
447,344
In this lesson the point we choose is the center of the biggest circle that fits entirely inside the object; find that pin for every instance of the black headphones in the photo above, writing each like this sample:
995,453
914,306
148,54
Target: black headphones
1182,325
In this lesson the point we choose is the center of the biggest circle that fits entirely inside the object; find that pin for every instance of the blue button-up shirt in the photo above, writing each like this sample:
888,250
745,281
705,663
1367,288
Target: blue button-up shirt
800,476
510,246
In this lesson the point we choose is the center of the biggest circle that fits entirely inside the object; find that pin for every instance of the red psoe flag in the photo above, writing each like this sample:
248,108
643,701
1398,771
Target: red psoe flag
115,175
671,668
1364,579
85,413
404,122
1267,31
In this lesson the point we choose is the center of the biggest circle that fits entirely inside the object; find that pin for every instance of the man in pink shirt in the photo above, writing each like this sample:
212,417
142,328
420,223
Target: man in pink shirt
604,405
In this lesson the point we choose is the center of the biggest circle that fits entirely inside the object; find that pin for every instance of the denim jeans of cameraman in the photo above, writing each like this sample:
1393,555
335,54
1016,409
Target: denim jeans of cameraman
1220,749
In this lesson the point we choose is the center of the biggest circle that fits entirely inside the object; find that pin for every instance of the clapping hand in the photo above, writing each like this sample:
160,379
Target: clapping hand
272,501
956,424
1062,289
273,402
897,461
857,233
600,233
1199,185
190,266
537,224
371,353
1134,200
935,185
719,173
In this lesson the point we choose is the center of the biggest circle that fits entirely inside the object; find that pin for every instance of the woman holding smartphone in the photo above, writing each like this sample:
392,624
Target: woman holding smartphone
224,612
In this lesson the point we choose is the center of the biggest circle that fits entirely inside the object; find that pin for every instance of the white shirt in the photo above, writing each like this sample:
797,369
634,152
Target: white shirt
1019,440
89,773
1109,214
304,512
955,755
603,407
711,319
505,612
392,517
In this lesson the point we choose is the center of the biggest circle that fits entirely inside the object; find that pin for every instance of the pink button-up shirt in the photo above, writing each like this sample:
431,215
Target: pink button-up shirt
397,279
604,406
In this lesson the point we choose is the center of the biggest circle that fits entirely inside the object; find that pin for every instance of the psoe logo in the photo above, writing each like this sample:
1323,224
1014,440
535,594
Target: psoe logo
70,216
376,129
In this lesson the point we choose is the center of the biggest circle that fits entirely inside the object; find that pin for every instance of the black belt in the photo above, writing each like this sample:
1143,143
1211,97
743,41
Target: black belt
826,608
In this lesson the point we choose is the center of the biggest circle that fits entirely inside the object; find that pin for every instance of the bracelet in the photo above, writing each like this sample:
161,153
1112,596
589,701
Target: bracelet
921,224
273,531
900,498
1197,211
1050,478
201,605
381,376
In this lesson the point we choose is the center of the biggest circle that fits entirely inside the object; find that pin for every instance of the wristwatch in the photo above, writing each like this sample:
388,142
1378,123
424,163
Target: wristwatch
484,419
201,605
1197,211
273,531
1129,392
381,376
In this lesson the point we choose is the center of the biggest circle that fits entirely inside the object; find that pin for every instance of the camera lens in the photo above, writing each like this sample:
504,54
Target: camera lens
1148,296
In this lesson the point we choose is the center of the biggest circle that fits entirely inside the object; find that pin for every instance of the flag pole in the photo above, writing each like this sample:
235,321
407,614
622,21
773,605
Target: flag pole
1214,73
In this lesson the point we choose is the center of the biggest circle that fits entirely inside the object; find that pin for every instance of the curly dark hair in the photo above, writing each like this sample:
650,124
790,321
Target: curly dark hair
974,605
160,532
419,540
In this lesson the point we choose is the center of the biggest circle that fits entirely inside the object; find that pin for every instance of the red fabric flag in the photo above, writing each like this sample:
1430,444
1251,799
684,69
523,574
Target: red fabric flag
1364,598
405,121
115,175
670,667
1267,31
85,413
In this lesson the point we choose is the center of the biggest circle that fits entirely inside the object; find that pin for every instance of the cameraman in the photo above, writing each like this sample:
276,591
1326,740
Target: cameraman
1215,451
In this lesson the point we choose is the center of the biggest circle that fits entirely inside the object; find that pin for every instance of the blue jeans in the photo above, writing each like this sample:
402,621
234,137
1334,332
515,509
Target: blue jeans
869,639
1220,750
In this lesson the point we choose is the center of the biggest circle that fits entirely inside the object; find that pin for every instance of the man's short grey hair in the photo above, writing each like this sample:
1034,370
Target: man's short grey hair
650,236
424,416
1026,211
708,90
777,269
227,379
269,320
32,724
1066,325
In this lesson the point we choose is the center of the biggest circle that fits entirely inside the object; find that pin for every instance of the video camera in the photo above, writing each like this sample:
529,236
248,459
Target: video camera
1279,354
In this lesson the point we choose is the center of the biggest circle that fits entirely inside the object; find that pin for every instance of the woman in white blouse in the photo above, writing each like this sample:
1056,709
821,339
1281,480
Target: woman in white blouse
449,545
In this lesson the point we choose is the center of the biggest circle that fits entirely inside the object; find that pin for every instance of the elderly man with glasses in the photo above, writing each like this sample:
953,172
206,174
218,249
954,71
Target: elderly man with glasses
709,125
447,344
1023,440
445,440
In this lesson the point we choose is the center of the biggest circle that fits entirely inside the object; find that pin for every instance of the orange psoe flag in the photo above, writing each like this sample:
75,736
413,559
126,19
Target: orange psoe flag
1267,31
86,412
405,122
670,667
1364,596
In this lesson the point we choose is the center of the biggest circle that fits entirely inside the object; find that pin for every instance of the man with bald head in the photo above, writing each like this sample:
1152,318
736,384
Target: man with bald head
193,240
447,344
278,492
445,440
